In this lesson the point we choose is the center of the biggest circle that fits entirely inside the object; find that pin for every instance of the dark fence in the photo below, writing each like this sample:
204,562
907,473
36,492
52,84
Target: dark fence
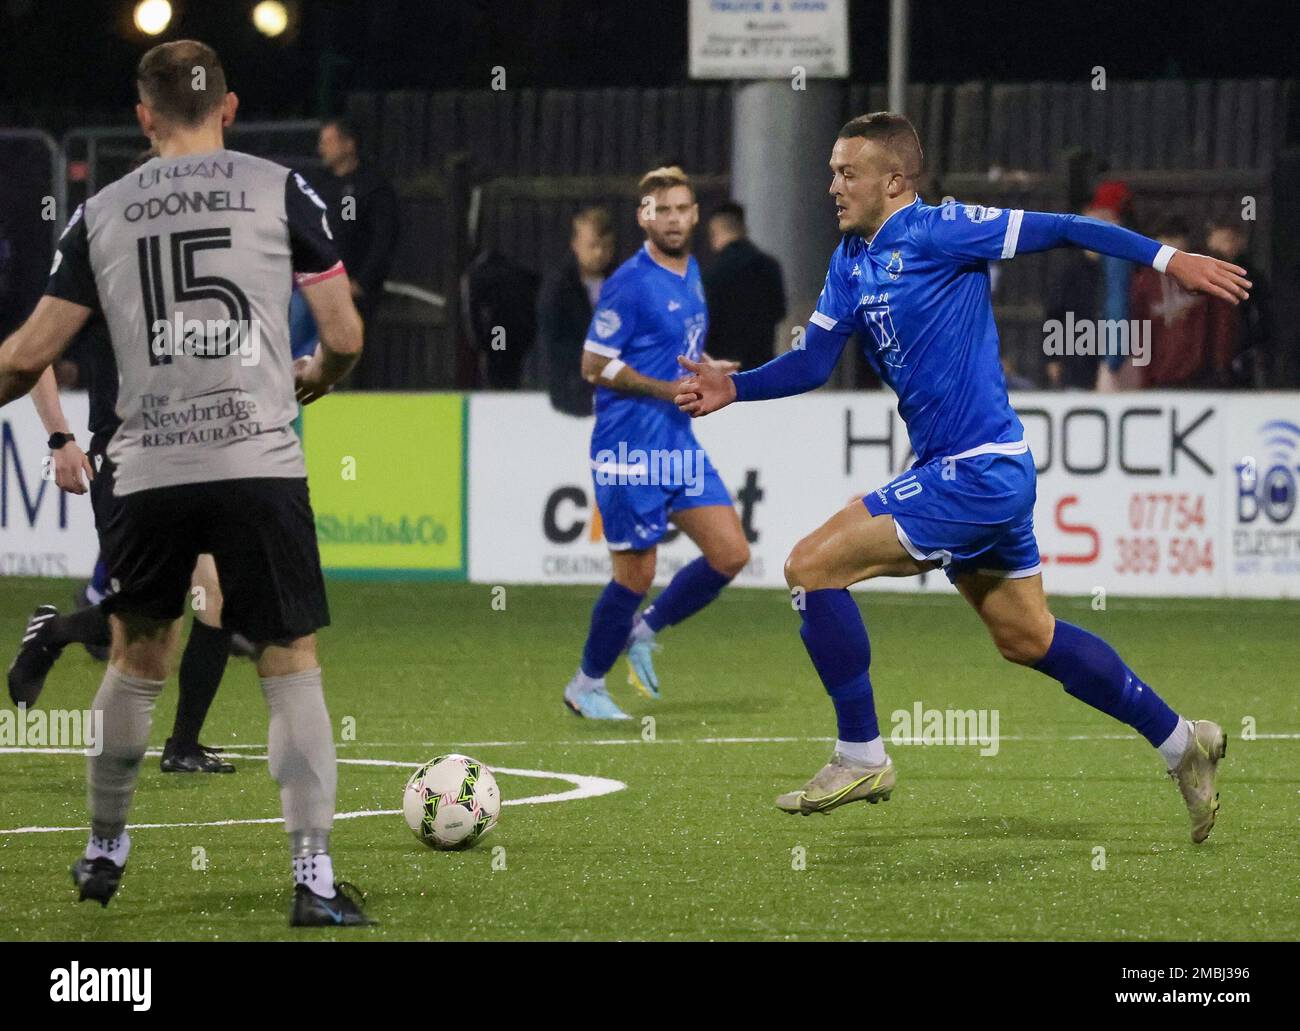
1192,148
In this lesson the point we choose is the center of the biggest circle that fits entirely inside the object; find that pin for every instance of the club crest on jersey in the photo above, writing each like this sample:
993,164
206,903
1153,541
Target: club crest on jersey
895,266
607,323
979,213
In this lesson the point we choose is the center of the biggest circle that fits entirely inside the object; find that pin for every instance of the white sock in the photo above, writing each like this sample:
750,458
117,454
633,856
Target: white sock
584,683
864,753
641,631
317,872
1175,744
115,849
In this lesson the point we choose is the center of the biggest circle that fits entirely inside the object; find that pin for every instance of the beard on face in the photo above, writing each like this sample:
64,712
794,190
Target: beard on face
672,250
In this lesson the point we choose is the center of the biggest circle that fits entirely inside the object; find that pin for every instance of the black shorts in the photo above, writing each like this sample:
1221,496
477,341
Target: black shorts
102,500
261,533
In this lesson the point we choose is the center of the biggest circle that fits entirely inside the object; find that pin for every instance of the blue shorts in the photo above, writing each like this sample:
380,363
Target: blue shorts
635,512
974,514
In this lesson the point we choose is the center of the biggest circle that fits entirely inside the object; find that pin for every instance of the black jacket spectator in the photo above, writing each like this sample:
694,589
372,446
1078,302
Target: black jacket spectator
368,239
499,298
746,298
563,315
1078,288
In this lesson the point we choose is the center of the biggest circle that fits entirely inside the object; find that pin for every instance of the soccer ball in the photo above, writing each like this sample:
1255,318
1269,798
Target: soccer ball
451,802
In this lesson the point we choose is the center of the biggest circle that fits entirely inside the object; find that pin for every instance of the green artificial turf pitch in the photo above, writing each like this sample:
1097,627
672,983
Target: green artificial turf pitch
970,846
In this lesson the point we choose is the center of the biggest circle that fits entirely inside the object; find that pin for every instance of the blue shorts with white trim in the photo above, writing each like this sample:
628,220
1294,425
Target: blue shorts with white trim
636,502
974,512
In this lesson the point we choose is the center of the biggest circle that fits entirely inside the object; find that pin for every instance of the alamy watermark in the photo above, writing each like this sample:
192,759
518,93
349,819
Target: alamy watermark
922,726
1098,338
659,467
207,338
52,728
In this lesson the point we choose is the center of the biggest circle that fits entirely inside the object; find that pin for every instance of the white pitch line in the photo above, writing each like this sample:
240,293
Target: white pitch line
605,742
584,786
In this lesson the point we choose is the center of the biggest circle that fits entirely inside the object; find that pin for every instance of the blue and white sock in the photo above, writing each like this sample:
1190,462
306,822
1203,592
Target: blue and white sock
695,585
611,622
1092,671
836,639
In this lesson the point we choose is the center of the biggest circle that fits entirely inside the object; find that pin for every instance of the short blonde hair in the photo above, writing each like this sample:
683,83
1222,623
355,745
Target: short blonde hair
664,178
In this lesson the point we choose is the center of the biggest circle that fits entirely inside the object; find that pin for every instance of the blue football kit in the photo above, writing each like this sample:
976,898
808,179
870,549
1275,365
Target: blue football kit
918,296
645,460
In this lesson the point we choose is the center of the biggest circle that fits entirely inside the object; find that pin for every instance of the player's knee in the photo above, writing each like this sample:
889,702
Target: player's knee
1023,644
729,561
147,664
801,566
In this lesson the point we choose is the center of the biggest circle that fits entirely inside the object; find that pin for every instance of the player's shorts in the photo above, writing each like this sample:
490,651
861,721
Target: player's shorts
974,513
635,514
260,532
103,502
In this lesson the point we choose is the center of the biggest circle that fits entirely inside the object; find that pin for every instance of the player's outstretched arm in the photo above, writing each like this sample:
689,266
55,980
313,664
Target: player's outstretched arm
34,345
69,461
616,374
1040,231
341,336
799,370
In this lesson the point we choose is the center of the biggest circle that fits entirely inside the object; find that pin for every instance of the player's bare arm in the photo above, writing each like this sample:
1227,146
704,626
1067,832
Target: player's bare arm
601,371
34,345
69,460
341,339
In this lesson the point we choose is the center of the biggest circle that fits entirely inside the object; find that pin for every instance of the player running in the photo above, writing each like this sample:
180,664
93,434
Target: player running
913,281
646,464
206,460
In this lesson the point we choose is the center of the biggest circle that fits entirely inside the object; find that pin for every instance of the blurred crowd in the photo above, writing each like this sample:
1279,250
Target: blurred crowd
526,331
1195,341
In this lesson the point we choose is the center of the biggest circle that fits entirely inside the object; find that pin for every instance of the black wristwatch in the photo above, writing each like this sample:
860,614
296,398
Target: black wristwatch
57,440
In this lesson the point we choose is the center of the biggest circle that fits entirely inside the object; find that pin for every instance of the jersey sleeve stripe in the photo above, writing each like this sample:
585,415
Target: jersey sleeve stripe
1012,238
310,278
818,318
600,349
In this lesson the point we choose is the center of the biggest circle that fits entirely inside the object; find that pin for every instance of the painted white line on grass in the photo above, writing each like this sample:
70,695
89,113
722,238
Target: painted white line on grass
605,742
584,786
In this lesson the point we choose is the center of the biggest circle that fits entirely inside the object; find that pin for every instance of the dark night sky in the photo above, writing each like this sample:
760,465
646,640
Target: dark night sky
61,54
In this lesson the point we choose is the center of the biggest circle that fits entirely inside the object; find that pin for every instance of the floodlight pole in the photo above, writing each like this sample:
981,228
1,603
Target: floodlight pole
899,11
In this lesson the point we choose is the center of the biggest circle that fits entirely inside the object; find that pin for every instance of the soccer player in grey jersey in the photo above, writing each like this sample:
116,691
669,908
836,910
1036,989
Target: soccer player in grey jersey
189,259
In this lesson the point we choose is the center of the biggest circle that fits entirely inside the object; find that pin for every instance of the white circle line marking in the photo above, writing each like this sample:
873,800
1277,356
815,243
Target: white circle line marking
584,786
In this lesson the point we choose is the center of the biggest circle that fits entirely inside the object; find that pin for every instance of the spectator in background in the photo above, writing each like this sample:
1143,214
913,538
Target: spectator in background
1112,201
744,291
1191,336
1078,289
362,207
1252,361
499,312
565,305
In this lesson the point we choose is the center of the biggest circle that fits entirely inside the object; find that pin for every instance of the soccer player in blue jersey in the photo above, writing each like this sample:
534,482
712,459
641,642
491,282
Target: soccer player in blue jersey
913,280
647,466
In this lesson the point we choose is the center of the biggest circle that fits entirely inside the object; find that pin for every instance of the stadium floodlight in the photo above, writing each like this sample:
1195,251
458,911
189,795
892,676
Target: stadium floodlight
271,17
152,16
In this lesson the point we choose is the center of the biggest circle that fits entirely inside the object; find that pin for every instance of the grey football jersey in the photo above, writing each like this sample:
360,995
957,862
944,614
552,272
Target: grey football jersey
192,261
